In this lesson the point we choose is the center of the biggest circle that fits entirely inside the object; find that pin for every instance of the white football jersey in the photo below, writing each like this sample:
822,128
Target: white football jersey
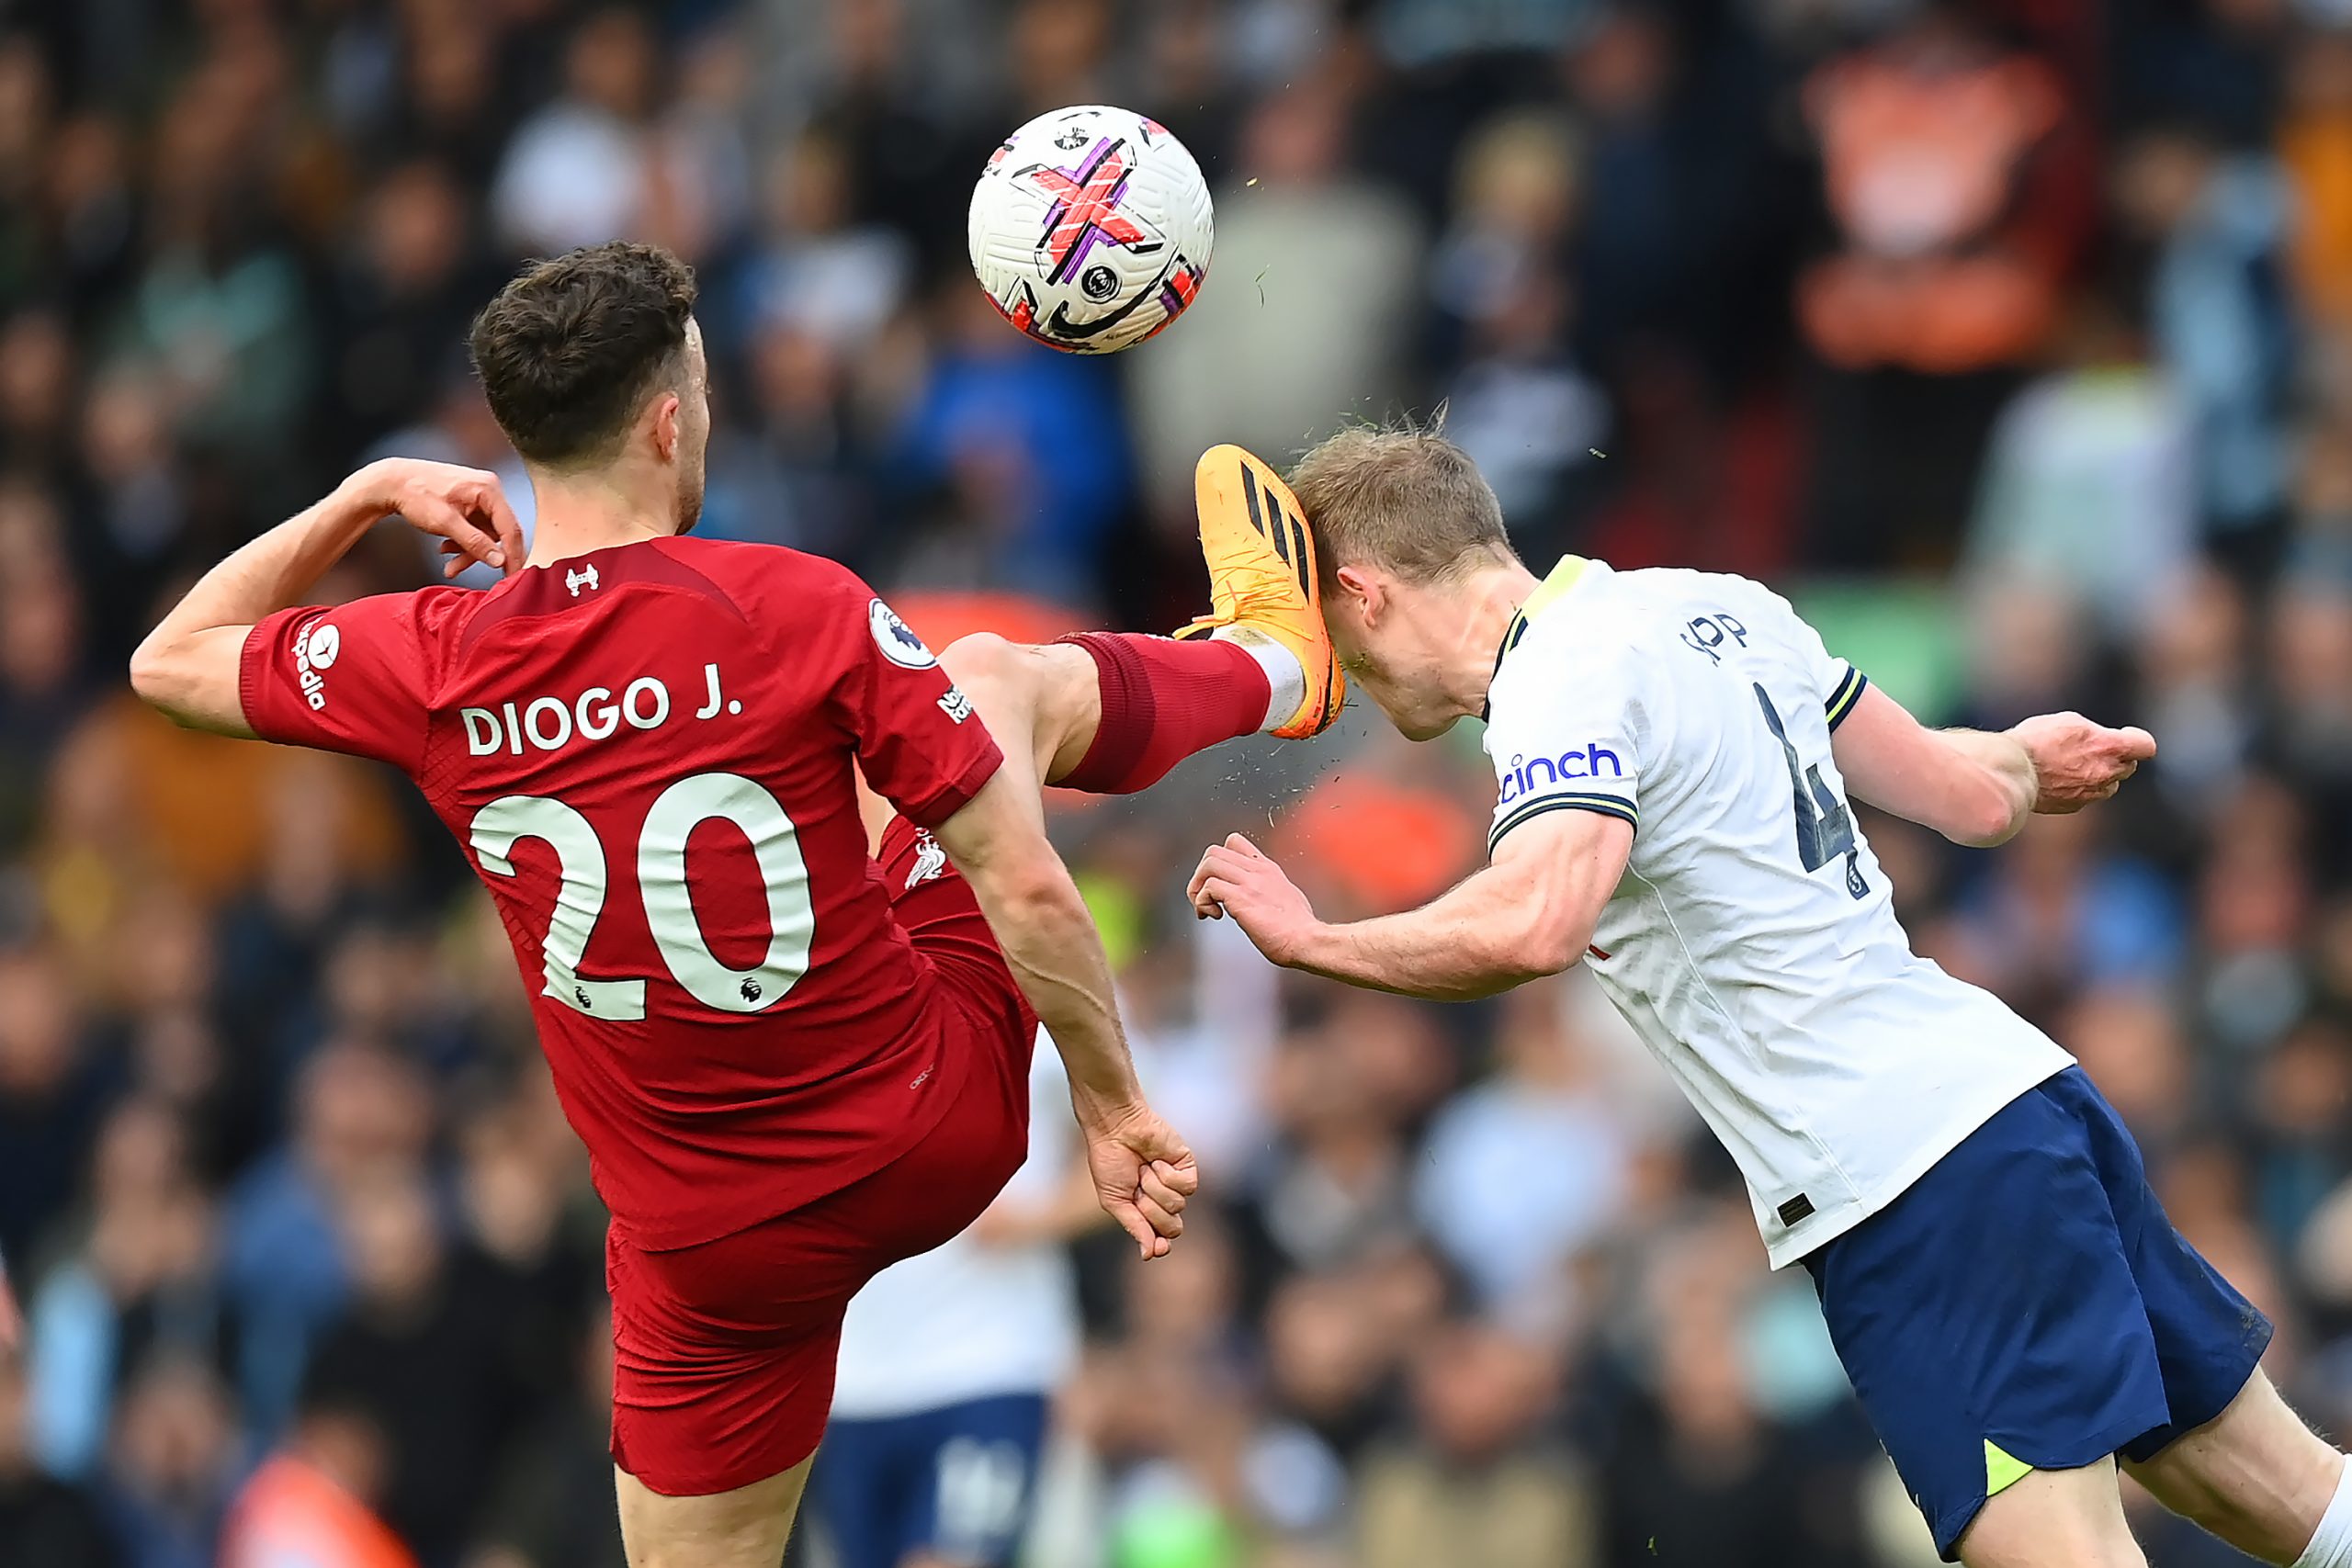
1753,943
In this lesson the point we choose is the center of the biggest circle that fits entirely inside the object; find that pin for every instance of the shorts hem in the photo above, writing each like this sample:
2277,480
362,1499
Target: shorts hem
2243,1367
665,1482
1949,1526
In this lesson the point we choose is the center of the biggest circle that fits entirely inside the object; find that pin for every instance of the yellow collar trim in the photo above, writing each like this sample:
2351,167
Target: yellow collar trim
1554,588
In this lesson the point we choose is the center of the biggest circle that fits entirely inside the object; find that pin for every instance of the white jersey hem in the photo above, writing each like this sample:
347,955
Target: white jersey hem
1818,1230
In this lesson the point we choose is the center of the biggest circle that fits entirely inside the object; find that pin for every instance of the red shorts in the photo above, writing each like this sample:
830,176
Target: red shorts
723,1352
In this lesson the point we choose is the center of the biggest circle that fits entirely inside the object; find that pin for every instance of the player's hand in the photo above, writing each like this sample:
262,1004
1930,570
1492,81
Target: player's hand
464,508
12,1323
2077,762
1144,1173
1238,878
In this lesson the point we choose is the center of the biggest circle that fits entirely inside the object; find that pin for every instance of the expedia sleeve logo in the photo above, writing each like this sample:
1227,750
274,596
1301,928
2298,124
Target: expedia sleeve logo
315,648
897,639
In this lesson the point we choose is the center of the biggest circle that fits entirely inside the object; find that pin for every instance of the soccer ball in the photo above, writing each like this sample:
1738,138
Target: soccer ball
1091,229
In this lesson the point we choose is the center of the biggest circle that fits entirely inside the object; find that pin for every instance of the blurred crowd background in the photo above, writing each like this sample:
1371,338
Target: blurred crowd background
2013,337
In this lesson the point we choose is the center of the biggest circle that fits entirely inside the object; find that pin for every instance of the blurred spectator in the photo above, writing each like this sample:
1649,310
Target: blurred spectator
218,316
142,1284
1943,166
1487,1492
580,170
603,159
2253,900
1304,319
404,297
42,689
430,1344
1334,1191
2315,149
2310,665
42,1519
2057,914
1698,1478
824,272
133,510
2216,225
2089,480
1540,1131
36,368
1022,451
1679,253
174,1463
359,1113
1518,405
54,1086
552,1504
2195,678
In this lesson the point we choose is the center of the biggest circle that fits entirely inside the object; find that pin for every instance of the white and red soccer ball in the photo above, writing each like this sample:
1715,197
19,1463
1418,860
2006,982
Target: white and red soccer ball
1091,229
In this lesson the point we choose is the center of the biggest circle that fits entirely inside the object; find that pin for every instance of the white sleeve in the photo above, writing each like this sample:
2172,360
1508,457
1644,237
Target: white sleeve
1841,684
1570,744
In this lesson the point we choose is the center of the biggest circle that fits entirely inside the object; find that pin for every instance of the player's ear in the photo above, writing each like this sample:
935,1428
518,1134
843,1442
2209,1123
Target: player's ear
1363,589
666,415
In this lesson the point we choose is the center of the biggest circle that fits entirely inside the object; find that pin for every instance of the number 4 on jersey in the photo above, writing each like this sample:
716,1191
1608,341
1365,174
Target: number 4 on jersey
1825,829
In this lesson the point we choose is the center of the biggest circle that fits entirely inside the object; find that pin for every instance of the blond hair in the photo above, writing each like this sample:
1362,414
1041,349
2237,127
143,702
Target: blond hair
1401,497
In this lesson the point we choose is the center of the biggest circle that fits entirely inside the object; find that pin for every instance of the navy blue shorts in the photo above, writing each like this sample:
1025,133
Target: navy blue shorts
957,1483
2026,1305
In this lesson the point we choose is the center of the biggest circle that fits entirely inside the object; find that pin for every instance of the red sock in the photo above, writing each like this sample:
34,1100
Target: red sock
1162,701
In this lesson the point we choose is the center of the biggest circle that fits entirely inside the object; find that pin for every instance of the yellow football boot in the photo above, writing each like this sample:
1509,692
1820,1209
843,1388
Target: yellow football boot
1262,575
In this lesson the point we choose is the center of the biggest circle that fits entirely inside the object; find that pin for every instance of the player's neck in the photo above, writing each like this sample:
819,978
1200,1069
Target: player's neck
595,510
1487,598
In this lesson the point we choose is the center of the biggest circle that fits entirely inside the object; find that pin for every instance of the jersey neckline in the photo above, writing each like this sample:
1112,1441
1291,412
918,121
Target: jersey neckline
1555,586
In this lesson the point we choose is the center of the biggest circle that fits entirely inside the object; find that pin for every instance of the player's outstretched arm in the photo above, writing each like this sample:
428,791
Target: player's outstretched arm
1528,914
187,665
1142,1171
1977,788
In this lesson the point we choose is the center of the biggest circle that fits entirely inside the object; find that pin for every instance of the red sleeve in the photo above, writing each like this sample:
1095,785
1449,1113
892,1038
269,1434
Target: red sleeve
347,678
919,744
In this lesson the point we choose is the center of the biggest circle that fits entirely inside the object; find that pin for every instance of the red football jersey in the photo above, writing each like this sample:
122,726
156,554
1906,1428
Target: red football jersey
646,752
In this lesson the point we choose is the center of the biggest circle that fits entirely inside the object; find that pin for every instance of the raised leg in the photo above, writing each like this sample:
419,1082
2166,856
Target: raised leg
2255,1475
1106,711
743,1528
1111,711
1042,703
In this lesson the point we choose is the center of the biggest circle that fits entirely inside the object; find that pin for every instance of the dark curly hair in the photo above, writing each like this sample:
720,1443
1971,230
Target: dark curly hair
569,349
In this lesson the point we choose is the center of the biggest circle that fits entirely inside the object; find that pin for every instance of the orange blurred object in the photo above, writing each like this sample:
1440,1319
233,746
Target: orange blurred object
1386,845
292,1511
1923,146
